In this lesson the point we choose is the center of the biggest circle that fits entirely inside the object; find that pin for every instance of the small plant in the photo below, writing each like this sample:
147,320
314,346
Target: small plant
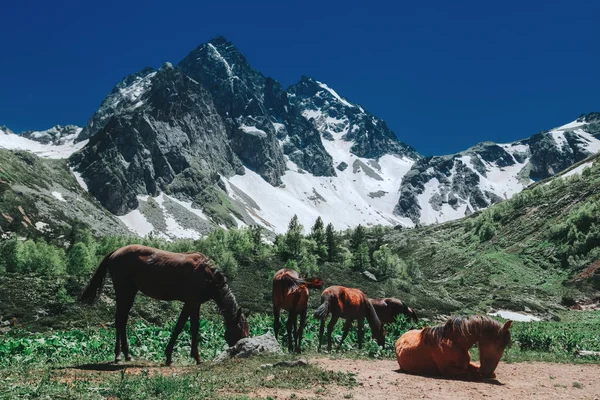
578,385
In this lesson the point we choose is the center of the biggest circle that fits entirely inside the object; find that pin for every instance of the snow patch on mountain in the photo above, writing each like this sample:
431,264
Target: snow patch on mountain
12,141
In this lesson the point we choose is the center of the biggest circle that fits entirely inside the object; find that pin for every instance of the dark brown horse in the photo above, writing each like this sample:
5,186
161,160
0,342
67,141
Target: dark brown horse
350,304
444,349
190,278
389,308
290,292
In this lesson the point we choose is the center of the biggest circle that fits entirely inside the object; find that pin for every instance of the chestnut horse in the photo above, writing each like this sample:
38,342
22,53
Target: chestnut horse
389,308
190,278
350,304
290,292
444,349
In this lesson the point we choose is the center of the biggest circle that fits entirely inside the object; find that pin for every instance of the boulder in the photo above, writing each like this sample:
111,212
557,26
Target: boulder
248,347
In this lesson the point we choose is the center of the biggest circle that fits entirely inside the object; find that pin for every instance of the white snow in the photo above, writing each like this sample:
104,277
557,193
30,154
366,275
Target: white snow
174,229
13,141
188,206
59,196
593,143
80,180
252,130
559,139
219,57
278,127
41,226
343,200
334,94
571,125
577,170
137,223
514,316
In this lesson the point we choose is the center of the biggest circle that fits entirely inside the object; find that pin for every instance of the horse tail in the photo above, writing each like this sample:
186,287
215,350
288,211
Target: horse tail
323,311
313,283
93,288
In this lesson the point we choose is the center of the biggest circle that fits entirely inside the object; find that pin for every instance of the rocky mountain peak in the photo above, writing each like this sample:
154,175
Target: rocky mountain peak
337,118
124,97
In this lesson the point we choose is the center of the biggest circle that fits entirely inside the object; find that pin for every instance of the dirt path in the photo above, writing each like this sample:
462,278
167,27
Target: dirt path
380,380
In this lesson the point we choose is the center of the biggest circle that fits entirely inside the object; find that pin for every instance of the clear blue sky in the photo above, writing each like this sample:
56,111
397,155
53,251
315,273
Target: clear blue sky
443,74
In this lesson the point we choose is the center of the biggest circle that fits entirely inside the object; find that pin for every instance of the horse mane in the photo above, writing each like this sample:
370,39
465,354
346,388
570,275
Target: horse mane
372,318
465,327
224,298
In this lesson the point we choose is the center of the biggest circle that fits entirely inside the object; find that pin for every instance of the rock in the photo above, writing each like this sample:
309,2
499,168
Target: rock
370,276
251,346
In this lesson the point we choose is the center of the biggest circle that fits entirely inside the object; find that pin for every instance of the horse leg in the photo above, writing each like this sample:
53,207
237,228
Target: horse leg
347,326
301,331
291,322
276,322
330,326
361,332
129,297
124,296
321,331
176,331
195,324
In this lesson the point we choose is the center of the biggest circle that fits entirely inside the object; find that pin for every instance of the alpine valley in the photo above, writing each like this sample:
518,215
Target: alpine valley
178,151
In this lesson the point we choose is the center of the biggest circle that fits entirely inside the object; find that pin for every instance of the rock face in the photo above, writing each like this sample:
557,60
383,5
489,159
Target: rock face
438,189
331,114
248,347
57,135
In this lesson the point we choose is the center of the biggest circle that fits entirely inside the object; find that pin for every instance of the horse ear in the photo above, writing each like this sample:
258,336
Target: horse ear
507,325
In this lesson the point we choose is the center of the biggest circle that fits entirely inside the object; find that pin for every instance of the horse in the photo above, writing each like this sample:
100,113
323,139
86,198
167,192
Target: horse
389,308
290,292
190,278
350,304
444,349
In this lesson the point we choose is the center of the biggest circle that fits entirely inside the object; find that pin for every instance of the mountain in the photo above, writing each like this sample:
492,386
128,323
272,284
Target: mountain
443,188
180,150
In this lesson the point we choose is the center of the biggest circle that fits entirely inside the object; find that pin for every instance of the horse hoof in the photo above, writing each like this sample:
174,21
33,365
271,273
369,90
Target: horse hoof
128,358
168,363
117,360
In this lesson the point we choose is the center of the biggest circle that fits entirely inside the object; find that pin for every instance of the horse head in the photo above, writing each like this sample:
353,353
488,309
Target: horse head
379,336
491,349
236,328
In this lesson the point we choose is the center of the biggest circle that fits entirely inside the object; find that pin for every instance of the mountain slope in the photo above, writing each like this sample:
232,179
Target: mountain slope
42,197
442,188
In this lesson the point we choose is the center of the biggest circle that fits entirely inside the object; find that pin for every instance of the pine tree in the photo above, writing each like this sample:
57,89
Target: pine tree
293,238
332,243
80,260
360,259
358,238
317,232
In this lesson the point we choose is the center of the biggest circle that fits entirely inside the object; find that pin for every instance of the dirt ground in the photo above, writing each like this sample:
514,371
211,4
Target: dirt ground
381,380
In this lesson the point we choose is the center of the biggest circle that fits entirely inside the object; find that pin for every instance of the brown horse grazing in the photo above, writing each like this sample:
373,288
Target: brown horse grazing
444,349
190,278
388,310
290,292
350,304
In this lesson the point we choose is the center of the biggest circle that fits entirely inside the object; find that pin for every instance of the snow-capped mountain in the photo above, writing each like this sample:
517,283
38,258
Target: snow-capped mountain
443,188
178,151
56,142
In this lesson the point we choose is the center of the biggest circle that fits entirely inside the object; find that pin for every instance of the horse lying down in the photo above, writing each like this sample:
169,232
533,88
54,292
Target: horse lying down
444,349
